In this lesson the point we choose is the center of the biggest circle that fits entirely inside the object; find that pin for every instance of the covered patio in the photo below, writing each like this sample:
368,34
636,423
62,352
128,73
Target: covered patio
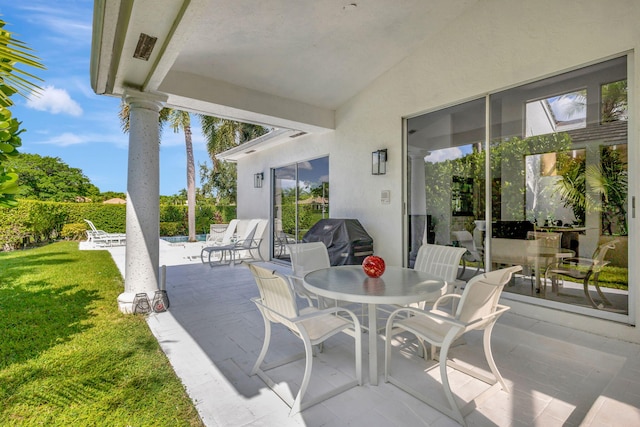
343,80
212,334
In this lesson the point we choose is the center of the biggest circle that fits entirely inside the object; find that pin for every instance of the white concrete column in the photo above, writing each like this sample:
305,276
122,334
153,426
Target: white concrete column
143,198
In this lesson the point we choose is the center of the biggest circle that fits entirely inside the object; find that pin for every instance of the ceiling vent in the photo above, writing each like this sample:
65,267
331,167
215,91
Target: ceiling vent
144,47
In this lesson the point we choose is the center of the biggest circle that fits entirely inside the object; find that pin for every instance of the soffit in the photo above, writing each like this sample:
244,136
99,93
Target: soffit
281,56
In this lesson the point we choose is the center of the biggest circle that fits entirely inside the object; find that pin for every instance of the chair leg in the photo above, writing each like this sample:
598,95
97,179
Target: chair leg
308,350
455,410
265,346
586,291
488,354
600,293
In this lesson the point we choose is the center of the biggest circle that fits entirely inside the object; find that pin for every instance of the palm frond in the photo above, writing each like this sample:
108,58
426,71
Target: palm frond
12,53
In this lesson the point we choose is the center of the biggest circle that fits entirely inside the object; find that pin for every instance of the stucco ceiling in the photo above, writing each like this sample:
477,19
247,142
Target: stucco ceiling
286,63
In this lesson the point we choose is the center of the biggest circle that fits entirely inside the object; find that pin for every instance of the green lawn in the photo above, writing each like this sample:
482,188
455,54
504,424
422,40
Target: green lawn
68,357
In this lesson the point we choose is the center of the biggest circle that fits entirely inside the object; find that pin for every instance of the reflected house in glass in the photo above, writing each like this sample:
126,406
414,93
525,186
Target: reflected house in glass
551,161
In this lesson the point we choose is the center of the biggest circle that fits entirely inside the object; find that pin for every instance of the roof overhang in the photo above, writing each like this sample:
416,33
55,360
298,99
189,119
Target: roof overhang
281,63
262,143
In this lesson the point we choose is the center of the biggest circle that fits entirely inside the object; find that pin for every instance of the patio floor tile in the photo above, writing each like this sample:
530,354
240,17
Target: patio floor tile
212,334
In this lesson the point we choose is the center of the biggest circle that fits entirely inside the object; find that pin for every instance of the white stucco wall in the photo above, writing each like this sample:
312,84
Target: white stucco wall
496,45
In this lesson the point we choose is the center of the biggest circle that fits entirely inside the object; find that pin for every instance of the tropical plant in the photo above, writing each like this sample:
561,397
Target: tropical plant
9,143
12,80
614,101
572,187
221,135
609,180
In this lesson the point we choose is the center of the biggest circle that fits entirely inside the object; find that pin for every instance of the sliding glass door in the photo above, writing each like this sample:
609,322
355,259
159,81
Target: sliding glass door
300,199
553,171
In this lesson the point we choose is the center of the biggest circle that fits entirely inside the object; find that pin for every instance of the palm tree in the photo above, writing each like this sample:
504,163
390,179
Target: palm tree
221,135
182,120
177,120
609,179
614,101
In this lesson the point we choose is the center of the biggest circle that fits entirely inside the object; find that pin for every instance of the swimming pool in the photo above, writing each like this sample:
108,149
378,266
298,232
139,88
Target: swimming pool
182,239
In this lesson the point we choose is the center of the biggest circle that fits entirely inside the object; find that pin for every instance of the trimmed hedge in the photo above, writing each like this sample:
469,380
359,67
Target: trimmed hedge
34,221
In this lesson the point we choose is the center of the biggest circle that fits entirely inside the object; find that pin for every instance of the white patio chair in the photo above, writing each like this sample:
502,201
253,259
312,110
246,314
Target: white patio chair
248,243
308,257
102,238
222,234
478,309
228,238
277,304
305,258
443,262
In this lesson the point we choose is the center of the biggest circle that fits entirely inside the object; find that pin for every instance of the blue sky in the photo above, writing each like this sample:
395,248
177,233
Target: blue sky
68,120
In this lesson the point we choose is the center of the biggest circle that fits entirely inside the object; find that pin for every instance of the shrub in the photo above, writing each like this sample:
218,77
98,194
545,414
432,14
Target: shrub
75,231
172,229
227,213
172,213
35,221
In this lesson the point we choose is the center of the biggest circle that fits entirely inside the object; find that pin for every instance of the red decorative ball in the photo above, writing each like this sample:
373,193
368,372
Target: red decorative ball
373,266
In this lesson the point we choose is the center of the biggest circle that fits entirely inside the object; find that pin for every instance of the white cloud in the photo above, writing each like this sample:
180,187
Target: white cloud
67,139
64,140
444,154
54,101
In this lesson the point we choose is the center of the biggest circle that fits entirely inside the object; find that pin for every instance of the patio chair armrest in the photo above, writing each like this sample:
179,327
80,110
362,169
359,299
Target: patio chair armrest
579,261
484,320
418,312
324,312
247,244
330,310
258,301
307,316
444,298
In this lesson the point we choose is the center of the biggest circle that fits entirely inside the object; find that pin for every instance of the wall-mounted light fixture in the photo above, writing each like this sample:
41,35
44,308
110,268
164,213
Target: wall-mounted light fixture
379,162
257,180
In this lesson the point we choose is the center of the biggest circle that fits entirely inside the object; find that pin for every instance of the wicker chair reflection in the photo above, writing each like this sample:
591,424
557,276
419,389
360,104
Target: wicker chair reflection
583,269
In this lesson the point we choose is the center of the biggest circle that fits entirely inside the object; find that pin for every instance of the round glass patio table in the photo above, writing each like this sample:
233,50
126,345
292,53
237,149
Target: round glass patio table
397,285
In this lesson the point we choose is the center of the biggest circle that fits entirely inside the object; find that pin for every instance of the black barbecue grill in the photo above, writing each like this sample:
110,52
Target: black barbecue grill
346,240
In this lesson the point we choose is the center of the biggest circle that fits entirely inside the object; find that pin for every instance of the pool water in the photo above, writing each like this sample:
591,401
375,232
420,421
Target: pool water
182,239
